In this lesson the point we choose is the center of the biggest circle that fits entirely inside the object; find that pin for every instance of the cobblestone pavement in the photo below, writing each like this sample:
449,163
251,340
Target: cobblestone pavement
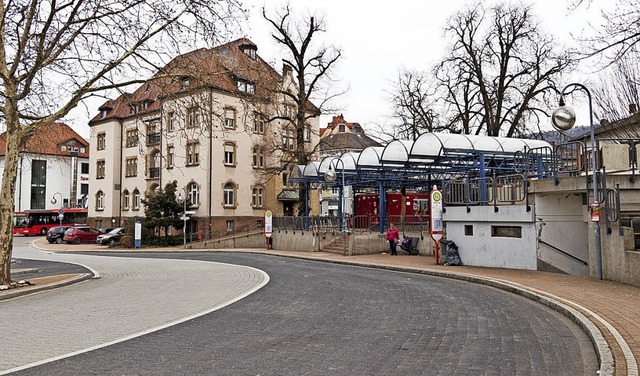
131,297
320,318
612,308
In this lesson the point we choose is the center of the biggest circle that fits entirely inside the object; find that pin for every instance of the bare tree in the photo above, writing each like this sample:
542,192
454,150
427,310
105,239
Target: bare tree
615,93
311,65
619,34
497,70
413,105
55,54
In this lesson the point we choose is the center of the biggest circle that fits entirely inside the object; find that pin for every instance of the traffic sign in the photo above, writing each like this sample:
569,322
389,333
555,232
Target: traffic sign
268,223
61,211
185,218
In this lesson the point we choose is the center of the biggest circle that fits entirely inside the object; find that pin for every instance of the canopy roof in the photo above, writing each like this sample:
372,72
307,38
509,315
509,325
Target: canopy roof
431,157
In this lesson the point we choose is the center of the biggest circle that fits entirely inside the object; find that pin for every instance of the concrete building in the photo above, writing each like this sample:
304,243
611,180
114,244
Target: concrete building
216,121
54,163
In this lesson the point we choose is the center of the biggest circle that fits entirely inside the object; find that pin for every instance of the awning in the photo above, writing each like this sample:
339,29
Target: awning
288,195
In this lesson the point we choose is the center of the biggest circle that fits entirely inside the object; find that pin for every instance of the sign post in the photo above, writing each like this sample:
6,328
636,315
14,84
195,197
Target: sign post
436,220
268,227
61,215
137,233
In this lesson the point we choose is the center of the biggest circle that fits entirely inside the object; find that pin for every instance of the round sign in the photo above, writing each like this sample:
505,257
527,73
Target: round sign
61,211
436,196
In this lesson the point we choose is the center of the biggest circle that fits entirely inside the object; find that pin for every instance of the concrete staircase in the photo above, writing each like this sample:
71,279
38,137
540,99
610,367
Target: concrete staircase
336,245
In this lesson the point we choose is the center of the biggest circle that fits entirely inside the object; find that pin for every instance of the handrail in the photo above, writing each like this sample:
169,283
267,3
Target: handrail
563,252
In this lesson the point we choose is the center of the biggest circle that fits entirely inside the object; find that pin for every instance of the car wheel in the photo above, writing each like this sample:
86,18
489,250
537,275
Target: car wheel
111,242
50,241
59,240
77,241
43,231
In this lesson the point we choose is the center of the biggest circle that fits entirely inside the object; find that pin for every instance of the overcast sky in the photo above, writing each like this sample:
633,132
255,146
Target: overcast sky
377,41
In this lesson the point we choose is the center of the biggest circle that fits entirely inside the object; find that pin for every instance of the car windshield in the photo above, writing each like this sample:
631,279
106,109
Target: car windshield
116,231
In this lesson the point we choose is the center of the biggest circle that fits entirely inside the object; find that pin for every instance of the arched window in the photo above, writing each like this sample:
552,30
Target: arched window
126,200
230,195
194,193
257,197
136,199
100,200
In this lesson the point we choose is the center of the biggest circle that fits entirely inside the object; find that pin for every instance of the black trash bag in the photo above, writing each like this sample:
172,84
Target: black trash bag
451,254
406,244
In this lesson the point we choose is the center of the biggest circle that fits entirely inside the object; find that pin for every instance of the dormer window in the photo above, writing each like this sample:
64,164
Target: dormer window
148,87
341,128
250,51
103,113
186,81
246,86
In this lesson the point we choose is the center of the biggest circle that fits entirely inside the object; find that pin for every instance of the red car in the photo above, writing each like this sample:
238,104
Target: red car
80,234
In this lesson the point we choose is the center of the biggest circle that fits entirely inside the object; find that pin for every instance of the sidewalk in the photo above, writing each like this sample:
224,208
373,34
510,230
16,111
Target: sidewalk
609,312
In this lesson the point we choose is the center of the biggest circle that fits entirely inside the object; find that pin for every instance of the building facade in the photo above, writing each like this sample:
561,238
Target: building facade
53,169
215,121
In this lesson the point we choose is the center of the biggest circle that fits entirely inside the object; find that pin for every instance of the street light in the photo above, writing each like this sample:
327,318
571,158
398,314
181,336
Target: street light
184,217
54,201
330,176
563,118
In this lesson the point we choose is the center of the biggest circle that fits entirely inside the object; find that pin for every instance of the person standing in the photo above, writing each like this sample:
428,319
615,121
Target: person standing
393,236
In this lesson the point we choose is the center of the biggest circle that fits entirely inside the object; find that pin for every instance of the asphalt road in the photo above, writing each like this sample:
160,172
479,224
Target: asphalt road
316,318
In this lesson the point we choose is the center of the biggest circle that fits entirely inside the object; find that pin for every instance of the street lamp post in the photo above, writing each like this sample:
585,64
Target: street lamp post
183,200
330,176
563,118
54,201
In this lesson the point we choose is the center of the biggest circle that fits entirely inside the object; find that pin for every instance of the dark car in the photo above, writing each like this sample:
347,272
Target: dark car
80,234
111,237
55,234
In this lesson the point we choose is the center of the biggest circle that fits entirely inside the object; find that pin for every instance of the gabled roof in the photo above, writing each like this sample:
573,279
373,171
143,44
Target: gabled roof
50,140
337,120
346,141
219,67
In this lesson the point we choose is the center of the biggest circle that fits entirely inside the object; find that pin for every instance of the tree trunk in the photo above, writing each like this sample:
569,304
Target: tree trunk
7,200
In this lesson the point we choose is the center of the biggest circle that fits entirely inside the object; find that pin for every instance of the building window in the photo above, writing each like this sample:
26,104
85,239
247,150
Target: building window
341,128
101,142
288,139
229,118
38,184
131,167
84,189
258,123
132,137
258,157
100,169
194,194
193,153
171,121
229,154
136,199
229,195
186,81
100,200
193,117
231,225
154,164
153,133
307,133
506,231
250,51
126,200
256,197
84,168
468,230
285,179
246,86
289,112
170,156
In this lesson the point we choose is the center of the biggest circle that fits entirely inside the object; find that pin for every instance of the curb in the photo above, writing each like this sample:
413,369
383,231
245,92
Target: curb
22,292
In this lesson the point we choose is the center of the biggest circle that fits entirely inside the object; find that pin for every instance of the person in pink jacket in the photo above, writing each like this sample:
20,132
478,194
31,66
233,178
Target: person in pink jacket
393,236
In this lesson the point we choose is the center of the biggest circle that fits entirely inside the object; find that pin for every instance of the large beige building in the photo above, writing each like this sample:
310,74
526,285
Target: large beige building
216,121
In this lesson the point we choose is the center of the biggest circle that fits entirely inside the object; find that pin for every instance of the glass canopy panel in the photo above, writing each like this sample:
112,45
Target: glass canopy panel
370,157
311,169
396,151
427,145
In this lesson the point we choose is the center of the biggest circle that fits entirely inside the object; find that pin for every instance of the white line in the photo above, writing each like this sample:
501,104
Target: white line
126,338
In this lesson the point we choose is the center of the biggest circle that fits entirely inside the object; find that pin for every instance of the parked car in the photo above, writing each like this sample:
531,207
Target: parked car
111,237
55,234
80,234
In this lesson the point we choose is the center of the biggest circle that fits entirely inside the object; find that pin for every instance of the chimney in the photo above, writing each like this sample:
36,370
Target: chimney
286,69
633,108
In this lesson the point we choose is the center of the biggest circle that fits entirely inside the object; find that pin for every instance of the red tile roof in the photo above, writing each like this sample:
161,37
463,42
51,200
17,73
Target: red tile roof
49,140
220,68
